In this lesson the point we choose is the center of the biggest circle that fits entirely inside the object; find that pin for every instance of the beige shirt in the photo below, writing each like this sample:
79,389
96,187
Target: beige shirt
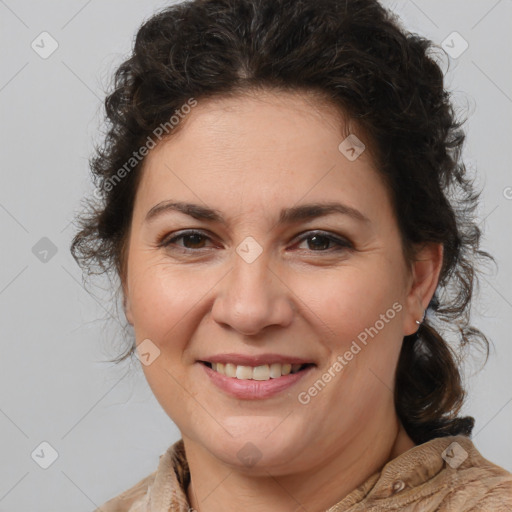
446,474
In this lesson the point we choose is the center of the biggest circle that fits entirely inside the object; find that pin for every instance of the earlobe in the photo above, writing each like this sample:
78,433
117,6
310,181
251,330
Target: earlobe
425,277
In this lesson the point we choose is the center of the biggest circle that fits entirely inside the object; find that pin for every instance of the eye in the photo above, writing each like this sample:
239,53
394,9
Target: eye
191,240
319,241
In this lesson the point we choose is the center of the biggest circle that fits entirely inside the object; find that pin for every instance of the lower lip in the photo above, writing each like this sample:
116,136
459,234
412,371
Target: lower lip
254,389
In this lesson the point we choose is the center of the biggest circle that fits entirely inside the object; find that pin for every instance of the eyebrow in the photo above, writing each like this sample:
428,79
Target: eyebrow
287,216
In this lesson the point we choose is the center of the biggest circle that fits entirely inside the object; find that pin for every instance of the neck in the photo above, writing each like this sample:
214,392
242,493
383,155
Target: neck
314,489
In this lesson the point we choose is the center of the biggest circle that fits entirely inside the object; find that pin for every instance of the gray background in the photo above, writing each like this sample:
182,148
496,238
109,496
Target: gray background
104,423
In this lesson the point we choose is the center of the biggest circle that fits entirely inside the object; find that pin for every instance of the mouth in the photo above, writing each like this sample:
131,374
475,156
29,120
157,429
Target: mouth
259,382
262,372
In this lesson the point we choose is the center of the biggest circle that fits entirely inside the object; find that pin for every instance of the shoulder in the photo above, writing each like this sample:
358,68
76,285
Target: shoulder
131,499
444,474
474,483
156,489
497,497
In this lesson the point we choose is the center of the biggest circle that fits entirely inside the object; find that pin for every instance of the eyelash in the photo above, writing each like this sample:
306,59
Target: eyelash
342,244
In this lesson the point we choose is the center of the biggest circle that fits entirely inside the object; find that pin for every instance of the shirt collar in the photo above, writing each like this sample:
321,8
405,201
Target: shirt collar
409,470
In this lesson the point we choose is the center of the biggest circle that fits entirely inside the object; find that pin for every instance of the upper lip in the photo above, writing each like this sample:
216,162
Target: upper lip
255,360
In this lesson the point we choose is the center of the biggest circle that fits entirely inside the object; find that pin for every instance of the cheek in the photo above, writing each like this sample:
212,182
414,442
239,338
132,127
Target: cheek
357,315
348,300
164,303
161,296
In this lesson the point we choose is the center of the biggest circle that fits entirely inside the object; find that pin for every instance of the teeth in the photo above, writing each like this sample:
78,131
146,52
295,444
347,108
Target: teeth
262,372
275,370
244,372
229,370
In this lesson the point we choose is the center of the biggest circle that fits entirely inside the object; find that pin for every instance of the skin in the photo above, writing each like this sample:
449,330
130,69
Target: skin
248,157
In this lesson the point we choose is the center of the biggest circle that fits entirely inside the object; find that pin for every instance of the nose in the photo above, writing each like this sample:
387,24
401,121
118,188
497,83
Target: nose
251,297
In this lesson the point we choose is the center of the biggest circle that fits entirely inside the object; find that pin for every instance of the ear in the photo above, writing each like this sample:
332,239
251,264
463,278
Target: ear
423,283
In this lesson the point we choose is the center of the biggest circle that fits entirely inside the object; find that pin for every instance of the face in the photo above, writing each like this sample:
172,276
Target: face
252,276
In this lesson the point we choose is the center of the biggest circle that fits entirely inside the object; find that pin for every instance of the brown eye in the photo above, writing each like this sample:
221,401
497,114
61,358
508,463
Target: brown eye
191,240
195,241
321,242
318,242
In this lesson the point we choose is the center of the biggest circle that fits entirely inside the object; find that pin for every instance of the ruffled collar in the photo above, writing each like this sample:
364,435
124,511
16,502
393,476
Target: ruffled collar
408,471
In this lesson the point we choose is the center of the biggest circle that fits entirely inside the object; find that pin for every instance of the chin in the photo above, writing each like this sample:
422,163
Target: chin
257,445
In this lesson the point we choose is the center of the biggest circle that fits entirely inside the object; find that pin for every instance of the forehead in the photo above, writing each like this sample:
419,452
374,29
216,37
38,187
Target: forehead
260,116
255,149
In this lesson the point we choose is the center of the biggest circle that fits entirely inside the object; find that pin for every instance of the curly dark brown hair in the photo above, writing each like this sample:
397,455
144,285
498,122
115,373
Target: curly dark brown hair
387,80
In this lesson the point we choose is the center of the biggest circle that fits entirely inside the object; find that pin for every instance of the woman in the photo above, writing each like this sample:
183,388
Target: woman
277,197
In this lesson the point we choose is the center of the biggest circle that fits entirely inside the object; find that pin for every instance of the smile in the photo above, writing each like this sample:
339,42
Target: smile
255,382
261,372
